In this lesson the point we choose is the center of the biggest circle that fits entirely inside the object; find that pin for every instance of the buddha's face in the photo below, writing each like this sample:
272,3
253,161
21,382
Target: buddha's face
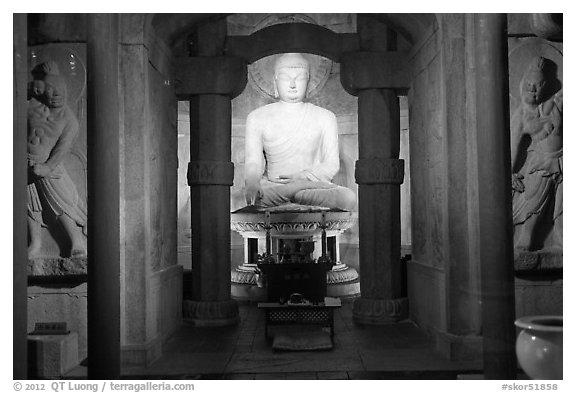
533,88
55,92
291,84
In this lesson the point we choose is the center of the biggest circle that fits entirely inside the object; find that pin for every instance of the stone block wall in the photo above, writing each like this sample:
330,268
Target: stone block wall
426,276
151,291
60,302
443,276
426,148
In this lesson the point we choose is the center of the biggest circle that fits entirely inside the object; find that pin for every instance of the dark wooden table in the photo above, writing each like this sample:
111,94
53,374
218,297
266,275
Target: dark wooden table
284,279
321,314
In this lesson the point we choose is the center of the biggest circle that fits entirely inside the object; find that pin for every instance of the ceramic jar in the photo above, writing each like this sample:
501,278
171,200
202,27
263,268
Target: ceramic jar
539,346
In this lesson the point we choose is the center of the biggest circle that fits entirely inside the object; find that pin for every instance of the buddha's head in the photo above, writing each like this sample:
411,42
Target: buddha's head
291,76
534,83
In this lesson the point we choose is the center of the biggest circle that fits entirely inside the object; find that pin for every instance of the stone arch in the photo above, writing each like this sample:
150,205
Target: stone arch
174,28
289,37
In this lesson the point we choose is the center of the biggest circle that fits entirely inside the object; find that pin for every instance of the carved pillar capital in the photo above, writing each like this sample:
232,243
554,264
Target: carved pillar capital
203,172
224,75
374,70
379,171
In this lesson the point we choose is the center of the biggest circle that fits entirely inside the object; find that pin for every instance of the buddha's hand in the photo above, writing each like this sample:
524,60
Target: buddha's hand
517,184
253,192
284,179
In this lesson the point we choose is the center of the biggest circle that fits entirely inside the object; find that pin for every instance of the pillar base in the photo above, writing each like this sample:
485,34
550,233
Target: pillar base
218,313
379,311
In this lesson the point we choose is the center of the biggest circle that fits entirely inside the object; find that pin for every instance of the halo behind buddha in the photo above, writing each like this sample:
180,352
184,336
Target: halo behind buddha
261,74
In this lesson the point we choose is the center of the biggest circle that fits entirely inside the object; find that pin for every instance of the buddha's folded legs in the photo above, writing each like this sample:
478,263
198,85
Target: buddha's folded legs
334,198
308,193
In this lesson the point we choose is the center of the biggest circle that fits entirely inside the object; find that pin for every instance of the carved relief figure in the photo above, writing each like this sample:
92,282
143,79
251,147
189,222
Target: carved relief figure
537,161
292,146
52,129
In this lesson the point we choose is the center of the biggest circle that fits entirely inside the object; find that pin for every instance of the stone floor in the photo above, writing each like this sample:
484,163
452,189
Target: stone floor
400,351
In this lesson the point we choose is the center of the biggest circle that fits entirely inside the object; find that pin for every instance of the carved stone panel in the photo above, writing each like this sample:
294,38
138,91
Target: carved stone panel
57,205
428,170
536,123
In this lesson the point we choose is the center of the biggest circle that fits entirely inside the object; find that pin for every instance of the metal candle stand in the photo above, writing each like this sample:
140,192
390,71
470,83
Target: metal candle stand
268,258
323,257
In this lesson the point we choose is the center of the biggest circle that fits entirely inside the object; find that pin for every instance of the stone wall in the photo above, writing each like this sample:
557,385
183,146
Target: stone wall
426,148
426,278
151,294
60,302
443,276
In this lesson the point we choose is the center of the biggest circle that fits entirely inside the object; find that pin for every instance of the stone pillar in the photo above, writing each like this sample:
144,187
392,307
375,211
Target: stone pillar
379,174
210,176
19,173
495,206
104,197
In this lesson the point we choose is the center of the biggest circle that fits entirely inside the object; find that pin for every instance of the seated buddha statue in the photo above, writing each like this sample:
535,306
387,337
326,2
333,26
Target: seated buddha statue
292,146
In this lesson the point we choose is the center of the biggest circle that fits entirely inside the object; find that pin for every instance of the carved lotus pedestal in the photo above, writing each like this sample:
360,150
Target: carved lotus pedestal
289,226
